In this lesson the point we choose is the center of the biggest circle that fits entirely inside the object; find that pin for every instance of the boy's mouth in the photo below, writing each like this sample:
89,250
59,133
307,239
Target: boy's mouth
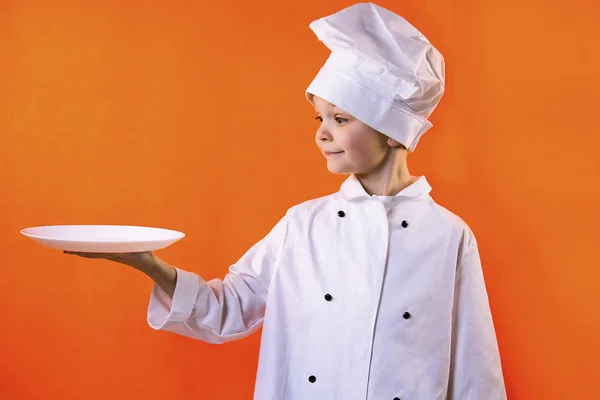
332,153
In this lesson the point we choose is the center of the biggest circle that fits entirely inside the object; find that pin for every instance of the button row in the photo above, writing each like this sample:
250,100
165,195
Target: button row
329,297
342,214
313,379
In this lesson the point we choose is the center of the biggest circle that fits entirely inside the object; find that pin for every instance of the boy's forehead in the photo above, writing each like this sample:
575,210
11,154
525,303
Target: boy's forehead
327,106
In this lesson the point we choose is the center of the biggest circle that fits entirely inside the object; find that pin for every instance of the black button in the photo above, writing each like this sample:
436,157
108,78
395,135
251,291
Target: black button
404,224
397,398
312,379
328,297
341,214
406,315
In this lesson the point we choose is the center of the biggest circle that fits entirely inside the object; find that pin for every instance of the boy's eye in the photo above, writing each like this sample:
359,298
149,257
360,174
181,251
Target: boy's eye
339,120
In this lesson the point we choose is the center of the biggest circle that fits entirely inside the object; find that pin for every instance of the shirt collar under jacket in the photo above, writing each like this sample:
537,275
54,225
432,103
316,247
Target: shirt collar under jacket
352,189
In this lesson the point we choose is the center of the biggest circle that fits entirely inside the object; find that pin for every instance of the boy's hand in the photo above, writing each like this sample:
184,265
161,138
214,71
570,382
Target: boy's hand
147,262
144,260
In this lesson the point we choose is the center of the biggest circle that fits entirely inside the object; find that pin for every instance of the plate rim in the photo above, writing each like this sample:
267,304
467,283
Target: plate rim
180,235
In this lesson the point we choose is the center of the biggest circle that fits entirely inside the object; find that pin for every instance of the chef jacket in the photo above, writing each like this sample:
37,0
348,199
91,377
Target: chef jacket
359,296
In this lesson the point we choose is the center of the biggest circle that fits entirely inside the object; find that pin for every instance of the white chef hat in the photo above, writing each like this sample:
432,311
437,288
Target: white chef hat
381,70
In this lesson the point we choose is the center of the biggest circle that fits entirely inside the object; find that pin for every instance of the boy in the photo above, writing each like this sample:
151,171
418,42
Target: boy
374,292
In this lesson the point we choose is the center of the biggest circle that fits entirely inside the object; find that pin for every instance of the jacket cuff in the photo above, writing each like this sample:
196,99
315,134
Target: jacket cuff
164,311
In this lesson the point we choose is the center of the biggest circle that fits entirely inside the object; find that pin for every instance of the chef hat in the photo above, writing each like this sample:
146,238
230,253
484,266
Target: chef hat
381,70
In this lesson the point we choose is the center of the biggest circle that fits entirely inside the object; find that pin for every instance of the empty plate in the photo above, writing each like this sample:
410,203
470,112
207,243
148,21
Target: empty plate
103,238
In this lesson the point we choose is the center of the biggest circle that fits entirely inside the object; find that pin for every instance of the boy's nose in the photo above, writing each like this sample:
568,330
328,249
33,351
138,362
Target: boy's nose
323,134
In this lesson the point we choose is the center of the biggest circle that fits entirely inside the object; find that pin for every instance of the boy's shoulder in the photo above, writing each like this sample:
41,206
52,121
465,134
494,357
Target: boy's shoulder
457,226
313,204
450,219
446,214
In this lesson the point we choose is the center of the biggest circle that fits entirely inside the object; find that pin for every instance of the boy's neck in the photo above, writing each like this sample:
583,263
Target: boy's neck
382,188
390,178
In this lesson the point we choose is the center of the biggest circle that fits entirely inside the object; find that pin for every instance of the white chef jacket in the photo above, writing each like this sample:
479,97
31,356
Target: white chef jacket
360,297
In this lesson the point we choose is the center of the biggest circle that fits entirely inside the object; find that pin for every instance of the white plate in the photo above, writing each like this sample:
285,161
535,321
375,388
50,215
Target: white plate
103,238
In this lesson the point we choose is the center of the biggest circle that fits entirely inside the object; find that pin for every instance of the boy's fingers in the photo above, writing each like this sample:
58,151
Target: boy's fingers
86,255
77,253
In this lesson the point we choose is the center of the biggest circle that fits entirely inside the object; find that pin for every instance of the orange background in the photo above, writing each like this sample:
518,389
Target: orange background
191,116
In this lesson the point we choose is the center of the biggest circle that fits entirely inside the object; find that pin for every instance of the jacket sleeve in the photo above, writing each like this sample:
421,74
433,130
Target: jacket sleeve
218,311
476,371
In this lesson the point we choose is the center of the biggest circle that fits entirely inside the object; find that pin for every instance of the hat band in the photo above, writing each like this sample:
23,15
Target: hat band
384,115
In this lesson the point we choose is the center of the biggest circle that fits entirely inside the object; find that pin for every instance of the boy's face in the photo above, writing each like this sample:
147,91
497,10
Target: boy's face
350,146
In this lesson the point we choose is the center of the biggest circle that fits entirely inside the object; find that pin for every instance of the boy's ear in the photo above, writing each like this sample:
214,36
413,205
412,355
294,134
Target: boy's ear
393,143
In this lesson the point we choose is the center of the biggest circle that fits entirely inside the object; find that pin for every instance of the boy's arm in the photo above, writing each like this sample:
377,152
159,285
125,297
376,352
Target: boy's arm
218,310
476,371
163,274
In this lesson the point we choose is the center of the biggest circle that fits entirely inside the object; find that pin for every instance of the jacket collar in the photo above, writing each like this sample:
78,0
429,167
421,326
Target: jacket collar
352,188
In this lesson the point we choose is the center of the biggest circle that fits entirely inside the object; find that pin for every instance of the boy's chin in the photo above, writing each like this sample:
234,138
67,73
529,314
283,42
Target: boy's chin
340,169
